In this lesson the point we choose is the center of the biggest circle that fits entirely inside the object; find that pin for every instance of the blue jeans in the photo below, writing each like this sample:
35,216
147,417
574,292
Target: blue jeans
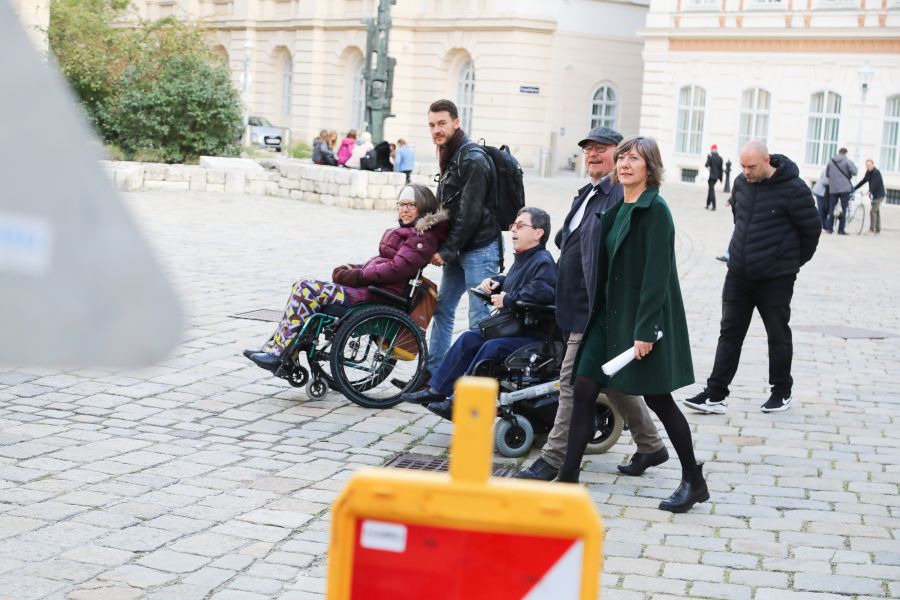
844,198
467,271
468,350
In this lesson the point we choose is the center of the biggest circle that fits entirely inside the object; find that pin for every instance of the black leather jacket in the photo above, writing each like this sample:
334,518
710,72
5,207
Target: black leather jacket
465,191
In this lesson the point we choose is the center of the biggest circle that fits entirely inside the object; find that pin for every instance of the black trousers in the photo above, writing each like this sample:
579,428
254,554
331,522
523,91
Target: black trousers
772,298
711,195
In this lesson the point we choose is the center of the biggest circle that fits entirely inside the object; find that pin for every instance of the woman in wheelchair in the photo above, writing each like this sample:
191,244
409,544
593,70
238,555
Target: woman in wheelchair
532,279
403,251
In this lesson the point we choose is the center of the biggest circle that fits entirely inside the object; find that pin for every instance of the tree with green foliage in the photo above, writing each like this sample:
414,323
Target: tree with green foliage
154,90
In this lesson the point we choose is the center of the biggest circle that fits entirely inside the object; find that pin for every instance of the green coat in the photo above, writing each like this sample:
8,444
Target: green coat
642,298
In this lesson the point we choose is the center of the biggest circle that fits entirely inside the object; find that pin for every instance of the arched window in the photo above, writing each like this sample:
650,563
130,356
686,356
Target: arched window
604,107
358,102
824,127
286,85
689,128
465,95
890,137
755,106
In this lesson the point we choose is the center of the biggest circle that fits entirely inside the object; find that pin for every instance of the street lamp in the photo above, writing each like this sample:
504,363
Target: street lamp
864,73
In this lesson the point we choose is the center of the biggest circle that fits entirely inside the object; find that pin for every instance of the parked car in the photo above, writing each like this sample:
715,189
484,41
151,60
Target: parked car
263,134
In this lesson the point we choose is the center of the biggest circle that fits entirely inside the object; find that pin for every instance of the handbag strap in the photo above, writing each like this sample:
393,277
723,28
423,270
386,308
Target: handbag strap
838,167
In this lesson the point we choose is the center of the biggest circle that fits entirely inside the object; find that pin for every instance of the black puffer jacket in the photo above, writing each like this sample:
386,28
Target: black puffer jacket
776,227
465,192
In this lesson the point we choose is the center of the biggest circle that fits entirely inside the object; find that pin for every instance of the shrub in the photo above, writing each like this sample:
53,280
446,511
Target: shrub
179,105
149,88
300,150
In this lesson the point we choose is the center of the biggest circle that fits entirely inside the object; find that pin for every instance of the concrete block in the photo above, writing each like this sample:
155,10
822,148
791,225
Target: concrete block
363,203
215,176
307,185
221,162
315,173
378,178
198,180
343,189
255,187
271,188
217,188
154,172
234,182
257,175
327,199
296,194
289,184
389,192
166,186
332,188
342,175
396,178
283,192
382,204
359,184
292,171
179,172
343,201
129,178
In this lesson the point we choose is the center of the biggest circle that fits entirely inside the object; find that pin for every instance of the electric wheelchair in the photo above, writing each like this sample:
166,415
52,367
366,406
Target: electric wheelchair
370,352
529,387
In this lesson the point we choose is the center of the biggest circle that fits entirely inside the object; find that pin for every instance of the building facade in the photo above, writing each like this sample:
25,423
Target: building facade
533,74
806,76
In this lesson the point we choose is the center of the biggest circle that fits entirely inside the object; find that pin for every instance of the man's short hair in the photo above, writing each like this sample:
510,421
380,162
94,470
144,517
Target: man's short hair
842,151
444,105
648,149
539,220
401,142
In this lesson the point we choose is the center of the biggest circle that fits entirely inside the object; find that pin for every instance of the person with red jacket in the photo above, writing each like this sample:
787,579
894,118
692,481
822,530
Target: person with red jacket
402,252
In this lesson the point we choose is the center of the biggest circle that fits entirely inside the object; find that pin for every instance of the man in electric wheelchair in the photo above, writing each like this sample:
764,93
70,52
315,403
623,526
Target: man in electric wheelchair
531,280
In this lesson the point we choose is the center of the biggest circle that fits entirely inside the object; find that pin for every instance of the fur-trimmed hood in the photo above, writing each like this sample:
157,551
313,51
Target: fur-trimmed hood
430,220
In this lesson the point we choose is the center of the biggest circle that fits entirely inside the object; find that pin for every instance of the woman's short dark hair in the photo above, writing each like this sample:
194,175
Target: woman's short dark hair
444,105
426,202
648,149
539,220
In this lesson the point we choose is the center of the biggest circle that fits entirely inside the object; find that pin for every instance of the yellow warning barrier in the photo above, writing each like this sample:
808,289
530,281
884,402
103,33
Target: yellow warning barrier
401,535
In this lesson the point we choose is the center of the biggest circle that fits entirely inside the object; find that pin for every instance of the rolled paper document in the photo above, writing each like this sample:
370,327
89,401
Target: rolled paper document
618,363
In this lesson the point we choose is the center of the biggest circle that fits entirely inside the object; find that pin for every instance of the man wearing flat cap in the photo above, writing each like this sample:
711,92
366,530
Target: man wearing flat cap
578,241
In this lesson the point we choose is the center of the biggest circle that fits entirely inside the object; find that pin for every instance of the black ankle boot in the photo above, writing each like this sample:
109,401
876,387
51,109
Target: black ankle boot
691,491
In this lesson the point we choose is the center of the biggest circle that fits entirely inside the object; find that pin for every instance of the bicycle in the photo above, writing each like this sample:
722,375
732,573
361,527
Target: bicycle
856,211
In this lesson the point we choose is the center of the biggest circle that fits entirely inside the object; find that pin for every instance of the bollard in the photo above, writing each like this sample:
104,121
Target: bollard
403,535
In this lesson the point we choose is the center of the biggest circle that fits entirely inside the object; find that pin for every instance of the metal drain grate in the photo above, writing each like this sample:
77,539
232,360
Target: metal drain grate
422,462
848,333
261,314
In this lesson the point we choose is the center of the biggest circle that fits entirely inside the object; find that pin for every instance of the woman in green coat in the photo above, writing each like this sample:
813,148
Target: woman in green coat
638,297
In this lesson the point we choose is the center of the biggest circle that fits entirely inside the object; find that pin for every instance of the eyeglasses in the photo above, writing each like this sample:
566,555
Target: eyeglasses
518,226
406,205
595,148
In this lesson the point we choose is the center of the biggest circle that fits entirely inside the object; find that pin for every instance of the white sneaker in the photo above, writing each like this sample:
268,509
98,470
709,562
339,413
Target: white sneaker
776,404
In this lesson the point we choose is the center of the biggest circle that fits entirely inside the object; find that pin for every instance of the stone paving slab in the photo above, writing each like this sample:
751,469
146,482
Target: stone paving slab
204,477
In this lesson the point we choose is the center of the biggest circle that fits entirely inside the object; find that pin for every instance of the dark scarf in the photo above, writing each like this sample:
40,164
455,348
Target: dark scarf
446,152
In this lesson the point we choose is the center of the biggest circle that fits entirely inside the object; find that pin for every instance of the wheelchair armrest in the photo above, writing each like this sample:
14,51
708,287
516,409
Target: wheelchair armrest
388,295
536,307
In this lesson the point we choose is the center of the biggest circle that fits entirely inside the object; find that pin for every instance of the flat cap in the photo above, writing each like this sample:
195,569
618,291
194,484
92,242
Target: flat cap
602,135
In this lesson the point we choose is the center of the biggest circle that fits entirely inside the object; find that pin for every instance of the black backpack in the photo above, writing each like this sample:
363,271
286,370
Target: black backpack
368,162
509,188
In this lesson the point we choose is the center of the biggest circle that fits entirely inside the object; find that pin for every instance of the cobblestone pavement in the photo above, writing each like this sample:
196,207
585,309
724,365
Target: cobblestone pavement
203,477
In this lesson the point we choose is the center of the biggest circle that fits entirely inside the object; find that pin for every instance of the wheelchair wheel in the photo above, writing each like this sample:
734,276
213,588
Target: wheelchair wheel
513,439
316,389
378,354
607,427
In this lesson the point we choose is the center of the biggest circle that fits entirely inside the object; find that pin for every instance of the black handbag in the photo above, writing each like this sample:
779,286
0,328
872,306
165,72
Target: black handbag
503,323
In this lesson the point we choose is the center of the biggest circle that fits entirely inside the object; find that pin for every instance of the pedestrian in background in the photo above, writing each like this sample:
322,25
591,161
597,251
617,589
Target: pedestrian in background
820,191
346,148
405,159
638,297
363,145
839,171
716,171
876,191
776,230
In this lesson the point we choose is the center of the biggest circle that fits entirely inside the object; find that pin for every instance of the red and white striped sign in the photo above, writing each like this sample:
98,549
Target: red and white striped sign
399,561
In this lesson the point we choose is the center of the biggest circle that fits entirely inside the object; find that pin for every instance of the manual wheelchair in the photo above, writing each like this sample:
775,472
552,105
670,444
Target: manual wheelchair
529,387
370,352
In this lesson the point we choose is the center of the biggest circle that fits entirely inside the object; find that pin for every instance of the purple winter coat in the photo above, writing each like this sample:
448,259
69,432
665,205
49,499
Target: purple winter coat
401,253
